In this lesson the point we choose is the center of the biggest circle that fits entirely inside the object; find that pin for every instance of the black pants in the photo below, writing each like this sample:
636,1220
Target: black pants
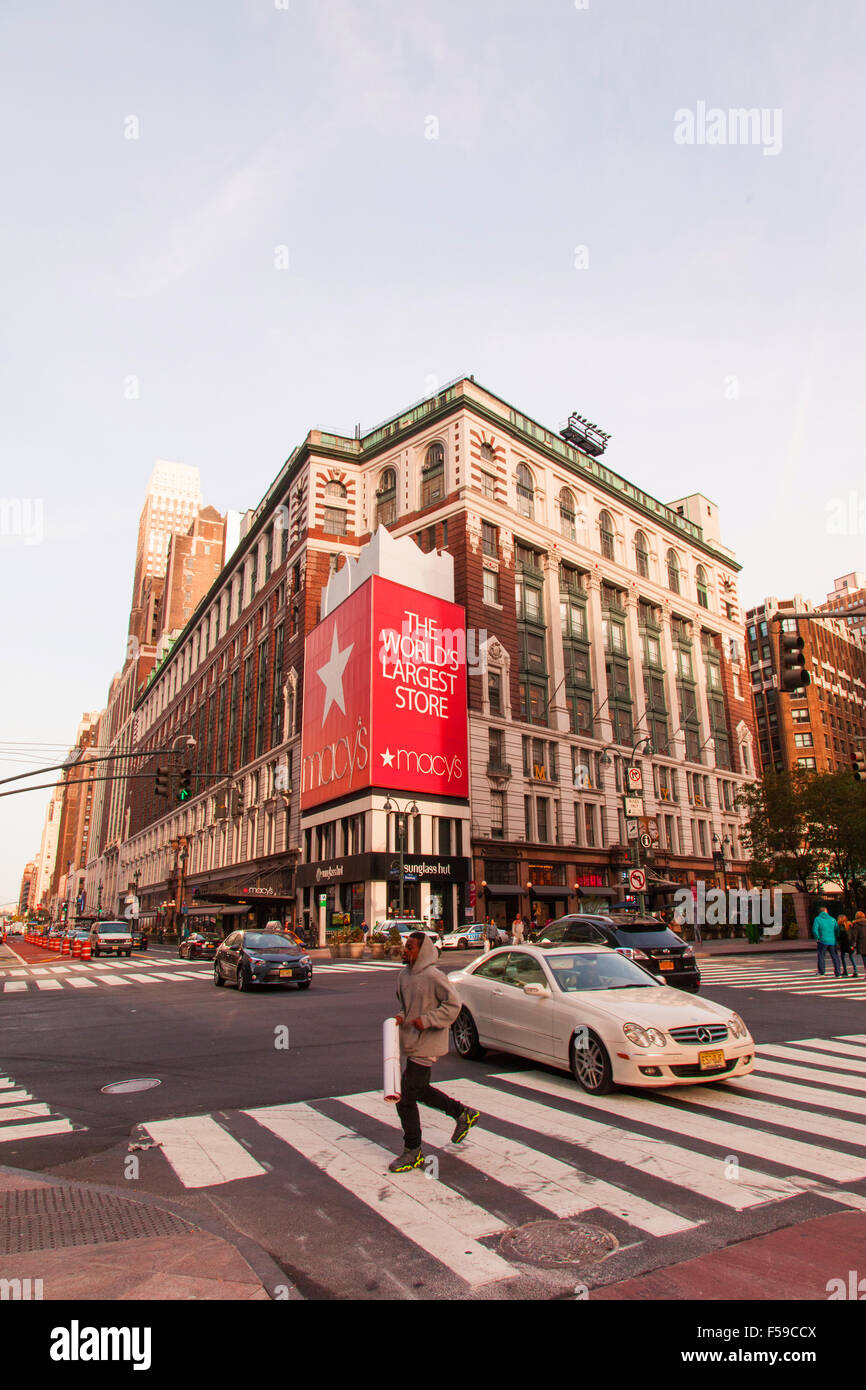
416,1087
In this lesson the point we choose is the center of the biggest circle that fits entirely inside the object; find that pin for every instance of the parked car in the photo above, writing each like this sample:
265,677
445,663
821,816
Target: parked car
590,1010
641,938
252,957
197,947
406,925
464,938
111,939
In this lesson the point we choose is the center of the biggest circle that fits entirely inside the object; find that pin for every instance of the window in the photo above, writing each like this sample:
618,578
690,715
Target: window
496,747
488,486
533,702
497,815
641,554
494,691
589,824
333,488
542,809
673,572
433,475
803,740
606,536
490,539
701,583
491,587
386,498
573,619
334,521
525,492
566,512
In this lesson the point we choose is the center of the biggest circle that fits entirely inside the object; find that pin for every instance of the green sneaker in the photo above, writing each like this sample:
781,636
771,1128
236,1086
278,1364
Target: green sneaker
466,1120
408,1159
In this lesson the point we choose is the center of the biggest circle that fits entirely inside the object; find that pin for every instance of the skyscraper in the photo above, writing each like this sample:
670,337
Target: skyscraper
172,503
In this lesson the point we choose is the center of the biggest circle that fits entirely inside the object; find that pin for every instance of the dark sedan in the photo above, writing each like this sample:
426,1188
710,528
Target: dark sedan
643,939
197,947
251,957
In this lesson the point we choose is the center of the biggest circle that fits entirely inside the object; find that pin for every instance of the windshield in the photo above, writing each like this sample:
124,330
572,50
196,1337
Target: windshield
591,970
114,931
267,941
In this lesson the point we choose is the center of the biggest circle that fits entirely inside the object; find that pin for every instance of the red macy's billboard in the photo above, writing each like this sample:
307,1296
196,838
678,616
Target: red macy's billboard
385,697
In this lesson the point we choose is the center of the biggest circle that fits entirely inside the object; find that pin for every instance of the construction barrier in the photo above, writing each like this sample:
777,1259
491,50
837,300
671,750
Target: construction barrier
85,950
76,948
64,947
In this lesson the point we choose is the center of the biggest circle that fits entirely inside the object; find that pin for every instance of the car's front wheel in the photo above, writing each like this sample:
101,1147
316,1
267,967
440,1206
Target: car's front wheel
217,974
244,980
465,1036
462,945
590,1064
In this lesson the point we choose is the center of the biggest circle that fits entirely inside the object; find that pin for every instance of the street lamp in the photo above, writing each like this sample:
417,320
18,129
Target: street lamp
402,813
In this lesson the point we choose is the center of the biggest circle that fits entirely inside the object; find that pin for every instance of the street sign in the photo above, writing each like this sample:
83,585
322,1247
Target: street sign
635,779
637,880
323,898
632,828
646,840
633,805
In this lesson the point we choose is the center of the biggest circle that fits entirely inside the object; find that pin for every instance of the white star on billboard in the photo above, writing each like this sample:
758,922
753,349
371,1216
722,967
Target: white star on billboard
388,757
331,676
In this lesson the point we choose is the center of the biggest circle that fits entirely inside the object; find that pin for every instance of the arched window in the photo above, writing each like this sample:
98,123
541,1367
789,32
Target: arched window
488,453
386,498
525,492
433,475
701,584
605,532
566,512
673,572
641,554
334,489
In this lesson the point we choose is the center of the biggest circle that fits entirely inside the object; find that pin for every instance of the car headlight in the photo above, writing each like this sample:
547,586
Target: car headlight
305,960
636,1034
255,960
737,1026
656,1037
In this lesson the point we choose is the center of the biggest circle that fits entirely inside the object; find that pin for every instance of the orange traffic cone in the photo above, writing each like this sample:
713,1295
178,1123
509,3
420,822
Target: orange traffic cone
76,948
85,950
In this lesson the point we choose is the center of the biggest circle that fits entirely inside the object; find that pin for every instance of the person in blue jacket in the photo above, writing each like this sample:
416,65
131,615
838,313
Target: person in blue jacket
824,932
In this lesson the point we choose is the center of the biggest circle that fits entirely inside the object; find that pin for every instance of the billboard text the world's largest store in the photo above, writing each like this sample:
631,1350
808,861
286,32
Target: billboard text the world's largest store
385,697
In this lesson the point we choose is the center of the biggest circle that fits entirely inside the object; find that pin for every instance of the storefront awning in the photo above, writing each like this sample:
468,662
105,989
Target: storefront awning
550,892
502,890
218,910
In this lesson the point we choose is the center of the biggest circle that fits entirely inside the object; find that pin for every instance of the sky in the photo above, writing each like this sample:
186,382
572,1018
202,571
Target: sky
223,225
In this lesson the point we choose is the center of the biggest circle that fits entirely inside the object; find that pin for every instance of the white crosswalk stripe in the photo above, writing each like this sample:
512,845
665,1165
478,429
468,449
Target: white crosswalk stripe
24,1117
543,1144
797,977
56,978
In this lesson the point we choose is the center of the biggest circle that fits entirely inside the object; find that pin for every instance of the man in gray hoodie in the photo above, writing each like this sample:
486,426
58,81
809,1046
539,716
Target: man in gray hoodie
428,1007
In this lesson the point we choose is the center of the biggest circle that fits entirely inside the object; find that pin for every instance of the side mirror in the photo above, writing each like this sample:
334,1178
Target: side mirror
537,991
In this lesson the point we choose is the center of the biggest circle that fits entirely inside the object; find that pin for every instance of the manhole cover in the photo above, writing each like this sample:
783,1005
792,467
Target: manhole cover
557,1243
140,1083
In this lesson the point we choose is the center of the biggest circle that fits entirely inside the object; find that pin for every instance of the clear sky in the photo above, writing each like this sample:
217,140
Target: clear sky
712,323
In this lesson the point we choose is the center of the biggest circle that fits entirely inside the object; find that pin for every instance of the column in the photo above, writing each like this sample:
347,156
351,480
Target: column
636,663
559,720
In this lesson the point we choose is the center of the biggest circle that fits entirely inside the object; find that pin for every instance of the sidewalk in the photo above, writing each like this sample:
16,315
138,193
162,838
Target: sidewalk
85,1241
771,946
796,1263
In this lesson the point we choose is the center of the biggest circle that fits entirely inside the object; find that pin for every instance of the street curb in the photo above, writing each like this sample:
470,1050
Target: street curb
263,1265
756,951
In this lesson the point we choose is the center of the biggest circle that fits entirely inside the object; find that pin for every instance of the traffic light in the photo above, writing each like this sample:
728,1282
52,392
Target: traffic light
161,785
794,673
184,791
237,800
858,765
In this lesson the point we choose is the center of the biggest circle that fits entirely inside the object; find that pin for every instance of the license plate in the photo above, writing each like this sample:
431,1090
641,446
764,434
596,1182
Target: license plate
666,965
287,972
711,1059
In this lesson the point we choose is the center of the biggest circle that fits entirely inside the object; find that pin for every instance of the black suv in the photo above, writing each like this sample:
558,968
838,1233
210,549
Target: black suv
643,939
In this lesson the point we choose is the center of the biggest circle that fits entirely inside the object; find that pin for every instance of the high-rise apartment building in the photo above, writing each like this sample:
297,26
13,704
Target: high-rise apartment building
817,727
602,631
172,502
849,592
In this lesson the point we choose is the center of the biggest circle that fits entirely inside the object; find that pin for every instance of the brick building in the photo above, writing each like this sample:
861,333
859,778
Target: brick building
603,631
849,592
818,727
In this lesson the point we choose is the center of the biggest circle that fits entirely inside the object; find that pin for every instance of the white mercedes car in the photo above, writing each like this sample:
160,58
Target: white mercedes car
599,1015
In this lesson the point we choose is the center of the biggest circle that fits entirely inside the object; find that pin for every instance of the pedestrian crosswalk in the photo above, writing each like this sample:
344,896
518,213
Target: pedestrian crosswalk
22,1116
793,978
50,979
647,1165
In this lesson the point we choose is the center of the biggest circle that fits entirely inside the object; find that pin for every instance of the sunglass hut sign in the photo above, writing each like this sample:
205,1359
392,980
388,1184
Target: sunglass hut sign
385,696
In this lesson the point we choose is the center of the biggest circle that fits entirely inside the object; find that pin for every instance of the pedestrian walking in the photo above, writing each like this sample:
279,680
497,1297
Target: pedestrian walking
824,932
857,933
844,947
491,935
517,930
428,1007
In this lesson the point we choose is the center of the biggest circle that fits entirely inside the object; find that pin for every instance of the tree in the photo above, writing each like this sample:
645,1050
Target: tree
835,806
778,833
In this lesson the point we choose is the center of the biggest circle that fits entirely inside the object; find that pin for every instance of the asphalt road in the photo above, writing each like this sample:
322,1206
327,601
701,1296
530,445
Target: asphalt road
216,1053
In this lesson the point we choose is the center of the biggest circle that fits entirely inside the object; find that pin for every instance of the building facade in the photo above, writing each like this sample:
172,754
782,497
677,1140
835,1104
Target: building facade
602,633
818,727
849,593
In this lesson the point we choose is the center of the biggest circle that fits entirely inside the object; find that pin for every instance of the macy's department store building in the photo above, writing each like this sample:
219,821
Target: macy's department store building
384,779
